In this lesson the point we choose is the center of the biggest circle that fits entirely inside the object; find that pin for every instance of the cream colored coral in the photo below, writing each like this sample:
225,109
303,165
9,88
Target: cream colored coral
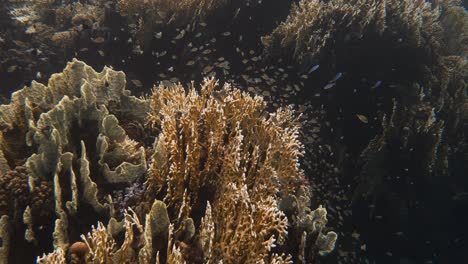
218,137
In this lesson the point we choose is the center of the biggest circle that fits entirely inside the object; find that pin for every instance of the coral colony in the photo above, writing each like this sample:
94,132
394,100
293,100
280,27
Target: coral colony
232,131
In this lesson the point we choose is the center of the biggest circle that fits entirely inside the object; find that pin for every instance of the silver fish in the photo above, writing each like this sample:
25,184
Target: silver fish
314,68
329,86
337,77
377,84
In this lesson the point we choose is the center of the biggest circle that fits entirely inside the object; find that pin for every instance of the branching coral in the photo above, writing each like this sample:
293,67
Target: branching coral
219,137
316,26
218,147
221,146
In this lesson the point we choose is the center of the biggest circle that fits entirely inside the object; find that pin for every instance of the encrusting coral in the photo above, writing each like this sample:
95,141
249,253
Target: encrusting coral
217,151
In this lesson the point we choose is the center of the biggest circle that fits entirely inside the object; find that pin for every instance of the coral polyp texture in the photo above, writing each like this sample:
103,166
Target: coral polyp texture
212,175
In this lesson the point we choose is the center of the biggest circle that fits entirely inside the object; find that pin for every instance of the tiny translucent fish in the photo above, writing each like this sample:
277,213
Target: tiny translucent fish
203,24
329,86
377,84
101,53
171,69
337,77
159,35
12,68
137,83
198,35
98,40
236,13
314,68
362,118
181,34
207,69
227,33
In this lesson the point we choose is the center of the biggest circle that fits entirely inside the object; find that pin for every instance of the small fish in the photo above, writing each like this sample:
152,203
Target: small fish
337,77
101,53
362,118
377,84
12,68
181,34
190,63
226,34
159,35
137,83
236,13
314,68
198,35
207,69
203,24
171,69
329,86
98,40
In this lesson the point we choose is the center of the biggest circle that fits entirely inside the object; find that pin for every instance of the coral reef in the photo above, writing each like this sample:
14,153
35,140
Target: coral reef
393,86
218,151
381,91
56,124
315,27
60,24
